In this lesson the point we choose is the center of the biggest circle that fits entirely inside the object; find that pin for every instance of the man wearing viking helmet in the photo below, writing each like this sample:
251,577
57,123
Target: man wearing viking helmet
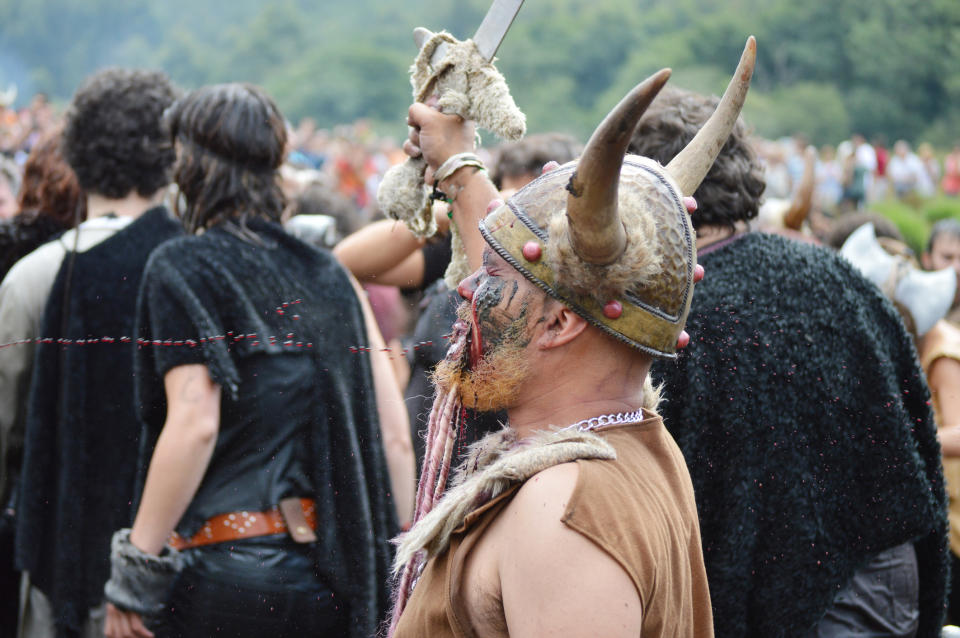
578,519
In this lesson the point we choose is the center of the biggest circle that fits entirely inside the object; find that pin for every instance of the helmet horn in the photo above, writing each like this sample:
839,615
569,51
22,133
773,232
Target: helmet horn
596,231
691,164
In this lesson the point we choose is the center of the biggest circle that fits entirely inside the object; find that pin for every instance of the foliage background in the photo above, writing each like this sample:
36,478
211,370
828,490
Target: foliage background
825,67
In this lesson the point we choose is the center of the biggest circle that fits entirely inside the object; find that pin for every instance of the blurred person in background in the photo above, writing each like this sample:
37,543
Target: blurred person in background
931,164
516,164
943,251
907,172
881,185
951,172
9,187
812,485
274,463
72,393
50,201
829,187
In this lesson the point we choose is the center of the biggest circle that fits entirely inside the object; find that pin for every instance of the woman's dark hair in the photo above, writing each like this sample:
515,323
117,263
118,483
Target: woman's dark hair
232,140
113,138
733,189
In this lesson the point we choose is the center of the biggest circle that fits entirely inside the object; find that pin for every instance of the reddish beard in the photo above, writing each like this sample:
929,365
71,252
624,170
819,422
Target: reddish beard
494,381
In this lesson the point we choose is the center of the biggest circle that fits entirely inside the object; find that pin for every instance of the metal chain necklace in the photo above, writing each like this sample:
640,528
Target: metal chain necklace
606,419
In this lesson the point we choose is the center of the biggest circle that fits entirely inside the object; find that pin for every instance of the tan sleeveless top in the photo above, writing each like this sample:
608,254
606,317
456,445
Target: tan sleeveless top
639,508
943,340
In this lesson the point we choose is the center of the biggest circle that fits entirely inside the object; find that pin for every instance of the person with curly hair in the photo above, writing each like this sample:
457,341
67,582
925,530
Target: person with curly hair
274,464
803,416
69,308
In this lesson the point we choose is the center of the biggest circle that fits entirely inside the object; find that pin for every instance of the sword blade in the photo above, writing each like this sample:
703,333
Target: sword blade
489,35
495,26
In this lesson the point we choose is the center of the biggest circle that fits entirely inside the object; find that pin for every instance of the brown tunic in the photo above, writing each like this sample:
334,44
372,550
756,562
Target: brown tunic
943,340
639,509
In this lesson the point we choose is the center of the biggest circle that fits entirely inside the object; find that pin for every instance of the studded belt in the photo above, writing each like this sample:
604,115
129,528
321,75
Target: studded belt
294,516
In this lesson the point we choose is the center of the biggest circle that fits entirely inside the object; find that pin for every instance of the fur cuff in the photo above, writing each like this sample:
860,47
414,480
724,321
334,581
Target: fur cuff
139,581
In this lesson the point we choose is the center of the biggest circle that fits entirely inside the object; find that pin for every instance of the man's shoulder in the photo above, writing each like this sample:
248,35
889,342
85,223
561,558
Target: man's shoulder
547,492
765,256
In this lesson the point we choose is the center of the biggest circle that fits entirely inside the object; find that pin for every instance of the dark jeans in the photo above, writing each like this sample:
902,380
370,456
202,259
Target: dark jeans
953,610
264,586
882,599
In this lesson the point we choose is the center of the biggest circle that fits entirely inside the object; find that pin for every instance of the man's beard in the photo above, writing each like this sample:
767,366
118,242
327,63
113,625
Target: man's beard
493,382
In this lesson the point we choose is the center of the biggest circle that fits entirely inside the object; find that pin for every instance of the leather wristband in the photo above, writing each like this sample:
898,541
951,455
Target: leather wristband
139,581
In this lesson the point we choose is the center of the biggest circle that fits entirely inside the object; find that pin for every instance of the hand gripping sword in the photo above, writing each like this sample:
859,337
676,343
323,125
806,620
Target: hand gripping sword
462,75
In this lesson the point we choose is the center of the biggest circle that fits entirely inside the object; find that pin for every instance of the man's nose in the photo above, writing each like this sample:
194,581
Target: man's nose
468,286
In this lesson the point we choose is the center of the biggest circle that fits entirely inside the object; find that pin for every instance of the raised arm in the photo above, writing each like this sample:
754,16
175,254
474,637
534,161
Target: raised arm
437,137
394,421
377,249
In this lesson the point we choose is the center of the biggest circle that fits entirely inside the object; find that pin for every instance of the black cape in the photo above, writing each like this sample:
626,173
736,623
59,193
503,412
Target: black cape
81,433
272,285
804,418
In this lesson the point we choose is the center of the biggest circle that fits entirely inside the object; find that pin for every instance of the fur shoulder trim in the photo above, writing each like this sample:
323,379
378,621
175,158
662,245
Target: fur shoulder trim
493,465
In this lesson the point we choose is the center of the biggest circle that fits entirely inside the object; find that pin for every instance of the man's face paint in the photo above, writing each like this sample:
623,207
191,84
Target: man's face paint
486,357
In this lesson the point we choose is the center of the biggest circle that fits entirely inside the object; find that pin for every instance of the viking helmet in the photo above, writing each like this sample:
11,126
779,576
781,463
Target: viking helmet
608,235
927,296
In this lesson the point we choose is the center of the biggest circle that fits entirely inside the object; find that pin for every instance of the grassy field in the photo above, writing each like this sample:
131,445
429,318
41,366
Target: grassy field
915,217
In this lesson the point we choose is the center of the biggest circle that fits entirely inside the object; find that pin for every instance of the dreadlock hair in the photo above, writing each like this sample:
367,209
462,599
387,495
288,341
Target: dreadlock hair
113,138
733,189
231,139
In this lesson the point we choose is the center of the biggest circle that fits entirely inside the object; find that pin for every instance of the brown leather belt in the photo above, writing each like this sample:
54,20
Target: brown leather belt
294,516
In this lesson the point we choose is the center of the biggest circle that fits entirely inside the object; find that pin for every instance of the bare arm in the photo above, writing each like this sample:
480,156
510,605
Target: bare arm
379,248
179,462
944,380
554,581
394,422
182,454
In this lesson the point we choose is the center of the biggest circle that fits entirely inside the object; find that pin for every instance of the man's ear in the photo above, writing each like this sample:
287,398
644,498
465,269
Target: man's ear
562,326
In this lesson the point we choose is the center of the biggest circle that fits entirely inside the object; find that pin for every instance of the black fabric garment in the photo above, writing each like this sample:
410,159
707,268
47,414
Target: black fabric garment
81,433
262,454
439,312
879,600
260,292
252,588
436,258
23,234
805,422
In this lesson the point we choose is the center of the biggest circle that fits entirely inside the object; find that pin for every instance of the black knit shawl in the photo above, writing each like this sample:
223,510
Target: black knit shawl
805,422
81,445
232,288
